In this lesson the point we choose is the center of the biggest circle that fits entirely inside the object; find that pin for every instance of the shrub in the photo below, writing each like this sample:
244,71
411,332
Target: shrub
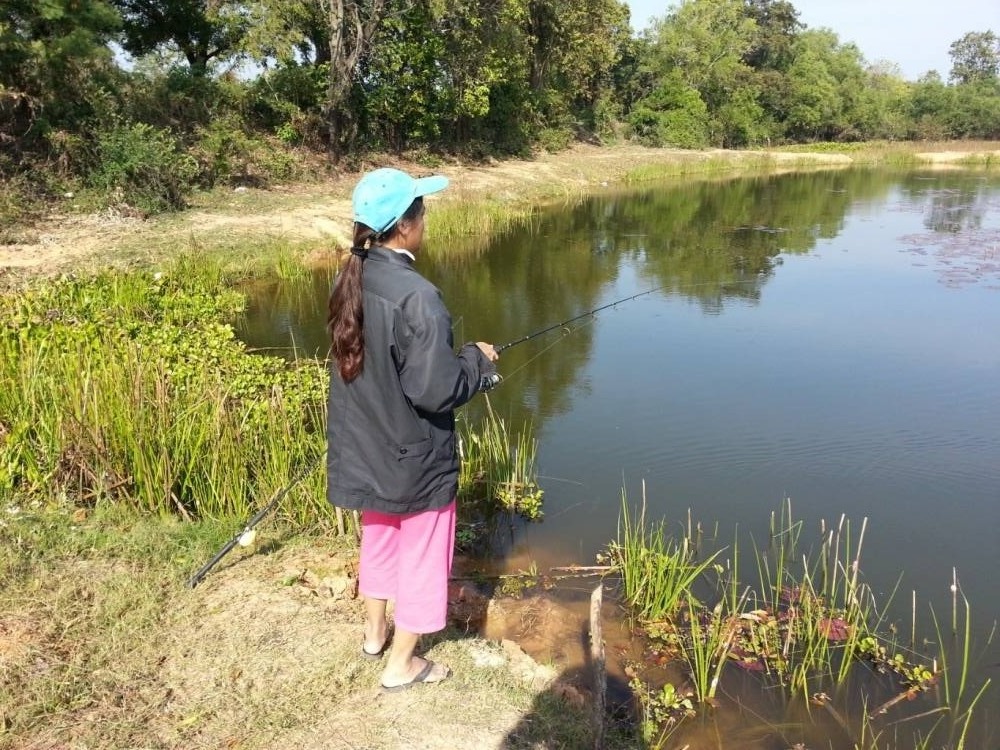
142,167
225,153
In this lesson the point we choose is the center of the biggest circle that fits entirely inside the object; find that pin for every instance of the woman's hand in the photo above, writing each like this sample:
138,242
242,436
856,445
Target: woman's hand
488,351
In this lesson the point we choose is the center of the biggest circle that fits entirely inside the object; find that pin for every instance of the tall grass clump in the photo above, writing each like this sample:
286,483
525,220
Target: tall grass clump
467,224
498,470
826,610
131,388
657,574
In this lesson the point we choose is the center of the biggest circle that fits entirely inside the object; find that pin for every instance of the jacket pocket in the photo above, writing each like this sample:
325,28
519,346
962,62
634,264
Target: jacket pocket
418,449
403,472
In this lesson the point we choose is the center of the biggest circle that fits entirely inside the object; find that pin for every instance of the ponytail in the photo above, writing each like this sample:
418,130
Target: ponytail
346,318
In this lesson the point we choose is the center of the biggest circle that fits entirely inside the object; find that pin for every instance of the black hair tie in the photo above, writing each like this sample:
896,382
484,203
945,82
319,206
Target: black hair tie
361,252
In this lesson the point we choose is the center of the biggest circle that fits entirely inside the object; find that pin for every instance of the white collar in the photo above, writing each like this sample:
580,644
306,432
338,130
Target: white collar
401,251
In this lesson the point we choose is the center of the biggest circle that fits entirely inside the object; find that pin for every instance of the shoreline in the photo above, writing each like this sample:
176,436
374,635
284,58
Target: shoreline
315,217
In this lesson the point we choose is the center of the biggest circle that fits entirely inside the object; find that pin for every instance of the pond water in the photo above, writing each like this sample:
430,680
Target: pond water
831,339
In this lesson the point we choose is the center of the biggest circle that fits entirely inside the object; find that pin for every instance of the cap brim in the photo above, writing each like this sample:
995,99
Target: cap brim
428,185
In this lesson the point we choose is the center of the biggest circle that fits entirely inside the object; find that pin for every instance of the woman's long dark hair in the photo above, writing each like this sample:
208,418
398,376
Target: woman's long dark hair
346,319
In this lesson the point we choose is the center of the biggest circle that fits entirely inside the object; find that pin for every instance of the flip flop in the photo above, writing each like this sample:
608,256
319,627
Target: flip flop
369,656
420,679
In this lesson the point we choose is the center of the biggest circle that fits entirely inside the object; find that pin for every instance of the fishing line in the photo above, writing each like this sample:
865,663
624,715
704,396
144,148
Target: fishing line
543,351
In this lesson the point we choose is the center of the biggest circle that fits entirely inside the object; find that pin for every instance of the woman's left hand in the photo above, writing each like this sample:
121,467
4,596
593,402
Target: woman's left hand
488,350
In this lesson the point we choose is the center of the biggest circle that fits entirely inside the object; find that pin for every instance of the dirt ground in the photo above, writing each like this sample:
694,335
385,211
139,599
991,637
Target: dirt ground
264,654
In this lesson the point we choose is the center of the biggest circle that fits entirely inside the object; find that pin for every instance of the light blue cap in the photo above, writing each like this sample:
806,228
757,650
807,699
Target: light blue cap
382,196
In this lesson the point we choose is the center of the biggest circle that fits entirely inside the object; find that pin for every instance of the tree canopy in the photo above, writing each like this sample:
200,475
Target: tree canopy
490,77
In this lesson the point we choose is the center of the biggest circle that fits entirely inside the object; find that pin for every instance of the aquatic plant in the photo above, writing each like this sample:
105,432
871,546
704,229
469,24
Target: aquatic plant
661,711
809,624
955,693
657,574
498,470
130,388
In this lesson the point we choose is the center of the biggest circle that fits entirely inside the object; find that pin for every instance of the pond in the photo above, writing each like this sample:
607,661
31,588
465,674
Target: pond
828,339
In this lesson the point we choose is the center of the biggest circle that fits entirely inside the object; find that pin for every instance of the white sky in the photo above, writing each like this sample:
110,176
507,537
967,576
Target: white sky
914,34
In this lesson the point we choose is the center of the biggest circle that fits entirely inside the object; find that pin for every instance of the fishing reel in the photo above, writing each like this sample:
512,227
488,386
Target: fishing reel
489,382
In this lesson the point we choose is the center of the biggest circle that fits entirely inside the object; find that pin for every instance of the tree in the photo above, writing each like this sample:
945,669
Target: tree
826,92
673,114
930,103
705,42
201,30
777,25
290,31
975,57
53,56
814,98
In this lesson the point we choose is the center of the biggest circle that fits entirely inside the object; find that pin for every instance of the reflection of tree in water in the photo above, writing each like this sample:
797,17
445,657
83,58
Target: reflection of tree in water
954,210
963,251
709,242
289,316
953,202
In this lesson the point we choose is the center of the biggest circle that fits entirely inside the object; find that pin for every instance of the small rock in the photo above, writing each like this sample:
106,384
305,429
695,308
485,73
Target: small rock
466,606
334,587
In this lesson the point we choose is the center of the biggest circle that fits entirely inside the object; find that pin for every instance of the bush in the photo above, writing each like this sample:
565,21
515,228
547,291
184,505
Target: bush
671,128
287,102
142,167
225,153
555,139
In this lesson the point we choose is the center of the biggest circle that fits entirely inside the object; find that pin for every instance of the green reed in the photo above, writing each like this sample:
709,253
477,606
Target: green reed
826,609
498,470
955,681
812,620
707,646
657,574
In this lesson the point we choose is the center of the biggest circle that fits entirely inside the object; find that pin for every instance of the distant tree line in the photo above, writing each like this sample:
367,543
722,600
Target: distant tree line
227,90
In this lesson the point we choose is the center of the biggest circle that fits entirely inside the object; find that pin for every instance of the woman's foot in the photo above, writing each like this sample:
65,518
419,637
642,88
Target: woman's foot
421,671
376,640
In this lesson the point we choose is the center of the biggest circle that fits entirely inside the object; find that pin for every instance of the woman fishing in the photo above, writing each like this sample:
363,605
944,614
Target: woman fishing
395,383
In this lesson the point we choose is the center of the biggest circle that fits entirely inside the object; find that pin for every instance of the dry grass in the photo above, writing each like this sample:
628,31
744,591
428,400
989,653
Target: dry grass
103,646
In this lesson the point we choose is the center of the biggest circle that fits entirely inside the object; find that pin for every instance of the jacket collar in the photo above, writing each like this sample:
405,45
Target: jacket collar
390,256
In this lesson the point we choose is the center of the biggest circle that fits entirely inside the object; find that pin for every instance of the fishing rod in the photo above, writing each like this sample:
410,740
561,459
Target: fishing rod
565,323
246,535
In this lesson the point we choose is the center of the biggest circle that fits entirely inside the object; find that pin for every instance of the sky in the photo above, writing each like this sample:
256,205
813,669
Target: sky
914,34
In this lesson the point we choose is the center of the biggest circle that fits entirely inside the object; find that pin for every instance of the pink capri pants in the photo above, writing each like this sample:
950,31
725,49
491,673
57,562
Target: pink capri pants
407,558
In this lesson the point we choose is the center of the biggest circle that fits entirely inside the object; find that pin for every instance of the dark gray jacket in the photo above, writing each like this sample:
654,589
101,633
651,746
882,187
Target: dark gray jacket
391,430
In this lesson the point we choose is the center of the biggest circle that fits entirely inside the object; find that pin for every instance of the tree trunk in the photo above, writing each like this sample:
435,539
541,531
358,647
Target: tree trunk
352,24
